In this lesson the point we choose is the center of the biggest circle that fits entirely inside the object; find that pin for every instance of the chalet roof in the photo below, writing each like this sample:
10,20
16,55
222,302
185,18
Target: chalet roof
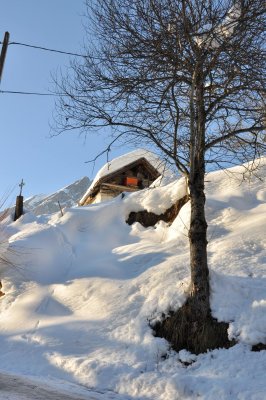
152,163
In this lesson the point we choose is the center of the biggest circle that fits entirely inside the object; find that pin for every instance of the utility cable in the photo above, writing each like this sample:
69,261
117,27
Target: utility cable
30,93
45,49
40,94
40,48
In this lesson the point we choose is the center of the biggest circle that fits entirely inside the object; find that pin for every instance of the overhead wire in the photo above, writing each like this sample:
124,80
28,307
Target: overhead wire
38,48
45,49
31,93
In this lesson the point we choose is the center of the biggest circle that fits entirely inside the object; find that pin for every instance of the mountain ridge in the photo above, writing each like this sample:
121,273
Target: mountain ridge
68,196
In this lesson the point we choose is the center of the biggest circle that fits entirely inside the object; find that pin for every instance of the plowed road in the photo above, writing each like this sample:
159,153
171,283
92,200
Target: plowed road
17,388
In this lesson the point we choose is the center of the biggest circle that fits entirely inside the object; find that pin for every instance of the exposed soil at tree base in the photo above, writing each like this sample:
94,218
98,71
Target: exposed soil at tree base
184,330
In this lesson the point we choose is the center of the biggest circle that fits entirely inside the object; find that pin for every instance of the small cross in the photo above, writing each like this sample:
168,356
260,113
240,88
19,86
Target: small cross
21,186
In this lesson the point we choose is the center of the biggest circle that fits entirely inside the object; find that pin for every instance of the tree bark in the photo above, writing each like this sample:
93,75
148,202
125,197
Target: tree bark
199,293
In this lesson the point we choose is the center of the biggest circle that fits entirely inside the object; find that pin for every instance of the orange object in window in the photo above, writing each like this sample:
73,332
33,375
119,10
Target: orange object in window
131,181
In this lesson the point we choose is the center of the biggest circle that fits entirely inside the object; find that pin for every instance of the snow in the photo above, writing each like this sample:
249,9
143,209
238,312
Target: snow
84,288
33,200
213,37
67,197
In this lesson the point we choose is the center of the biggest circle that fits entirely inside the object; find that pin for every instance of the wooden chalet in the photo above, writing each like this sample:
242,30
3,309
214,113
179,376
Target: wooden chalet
135,175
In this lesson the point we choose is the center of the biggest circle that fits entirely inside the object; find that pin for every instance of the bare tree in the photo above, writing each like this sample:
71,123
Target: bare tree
184,76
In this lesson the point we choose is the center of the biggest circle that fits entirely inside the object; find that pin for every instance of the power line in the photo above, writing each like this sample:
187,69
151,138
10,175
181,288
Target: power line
40,94
46,49
39,48
31,93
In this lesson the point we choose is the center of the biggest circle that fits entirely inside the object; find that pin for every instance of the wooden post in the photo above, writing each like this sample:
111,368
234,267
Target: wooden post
19,202
1,293
62,214
19,207
3,53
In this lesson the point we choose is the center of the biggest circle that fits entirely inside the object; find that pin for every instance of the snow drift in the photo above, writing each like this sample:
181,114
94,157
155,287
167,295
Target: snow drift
85,288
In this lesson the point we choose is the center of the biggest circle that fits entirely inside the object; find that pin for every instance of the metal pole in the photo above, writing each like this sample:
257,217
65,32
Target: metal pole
3,53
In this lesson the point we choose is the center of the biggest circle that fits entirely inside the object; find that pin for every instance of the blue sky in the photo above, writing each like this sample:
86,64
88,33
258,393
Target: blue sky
27,150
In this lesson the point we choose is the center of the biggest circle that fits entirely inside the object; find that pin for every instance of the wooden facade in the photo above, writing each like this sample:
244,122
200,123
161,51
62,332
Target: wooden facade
135,176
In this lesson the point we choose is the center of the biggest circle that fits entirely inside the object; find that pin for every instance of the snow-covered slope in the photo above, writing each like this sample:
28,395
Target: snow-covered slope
69,196
85,287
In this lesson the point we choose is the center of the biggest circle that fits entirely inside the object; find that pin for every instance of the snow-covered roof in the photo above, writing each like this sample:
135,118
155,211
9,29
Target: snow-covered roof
122,161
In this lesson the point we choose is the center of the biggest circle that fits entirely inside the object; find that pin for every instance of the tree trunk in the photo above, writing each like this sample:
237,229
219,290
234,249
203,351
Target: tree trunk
192,327
199,293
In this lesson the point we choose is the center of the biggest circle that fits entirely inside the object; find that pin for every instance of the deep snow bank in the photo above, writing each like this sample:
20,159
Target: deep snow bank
85,286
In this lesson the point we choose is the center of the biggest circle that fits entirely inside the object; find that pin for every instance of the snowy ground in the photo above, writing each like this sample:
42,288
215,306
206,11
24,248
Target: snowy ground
84,288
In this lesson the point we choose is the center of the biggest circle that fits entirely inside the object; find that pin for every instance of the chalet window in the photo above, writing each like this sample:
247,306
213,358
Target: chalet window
131,181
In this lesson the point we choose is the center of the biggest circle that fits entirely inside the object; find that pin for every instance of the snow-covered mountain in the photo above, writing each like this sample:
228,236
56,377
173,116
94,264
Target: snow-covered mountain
67,197
86,287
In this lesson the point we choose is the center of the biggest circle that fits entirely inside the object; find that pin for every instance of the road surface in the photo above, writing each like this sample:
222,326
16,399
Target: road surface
18,388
